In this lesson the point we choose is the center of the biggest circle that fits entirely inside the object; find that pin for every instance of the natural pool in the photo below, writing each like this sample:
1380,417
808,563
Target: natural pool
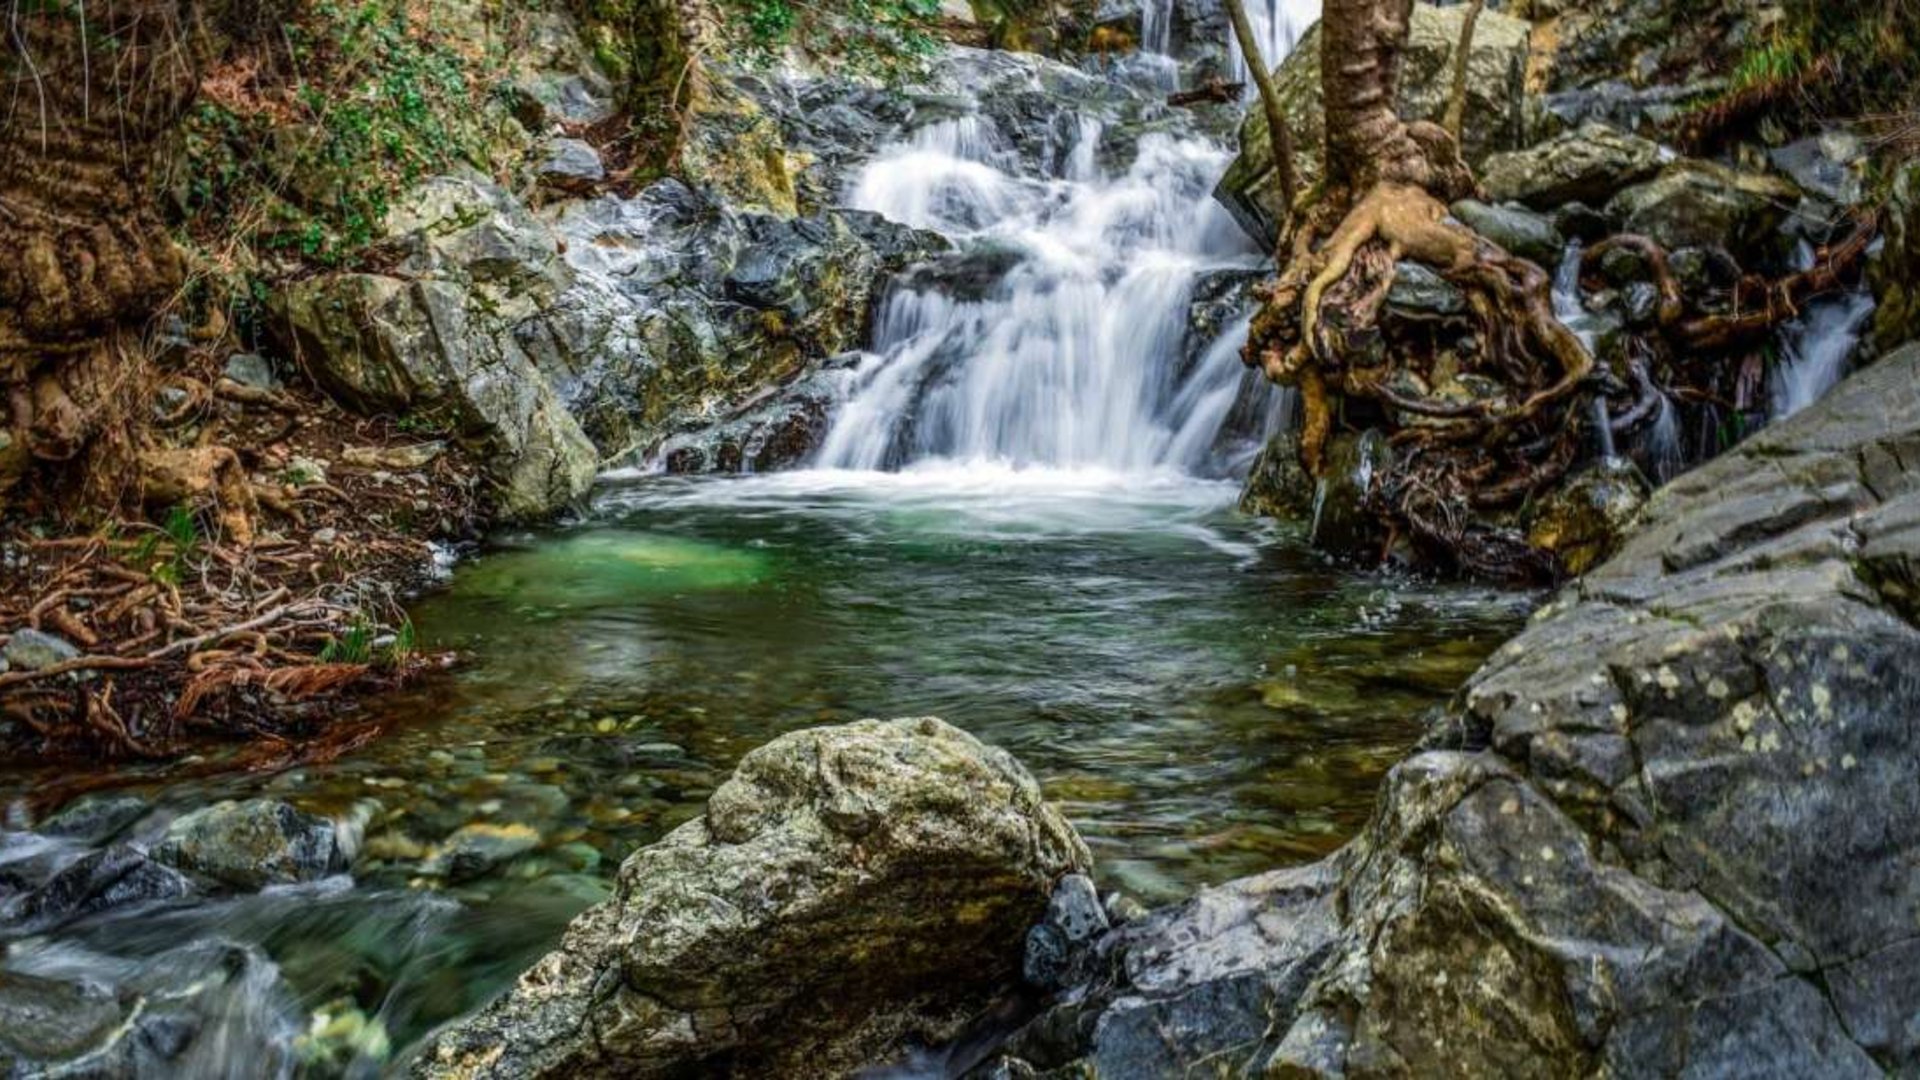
1204,695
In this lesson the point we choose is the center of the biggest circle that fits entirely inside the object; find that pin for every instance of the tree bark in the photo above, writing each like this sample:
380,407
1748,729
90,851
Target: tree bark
92,92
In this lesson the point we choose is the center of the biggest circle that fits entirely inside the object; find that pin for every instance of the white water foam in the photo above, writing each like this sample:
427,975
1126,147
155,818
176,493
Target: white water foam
1074,358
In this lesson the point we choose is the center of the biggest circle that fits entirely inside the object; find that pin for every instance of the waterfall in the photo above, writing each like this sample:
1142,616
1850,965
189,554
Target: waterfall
1278,25
1816,348
1056,334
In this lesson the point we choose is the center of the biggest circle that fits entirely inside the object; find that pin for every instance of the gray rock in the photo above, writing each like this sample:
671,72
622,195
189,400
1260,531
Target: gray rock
180,1012
1829,165
1277,486
251,844
101,880
94,819
848,888
1699,203
45,1020
1495,115
571,165
251,370
1419,292
1522,232
1342,523
1668,829
1590,164
34,650
1058,946
445,339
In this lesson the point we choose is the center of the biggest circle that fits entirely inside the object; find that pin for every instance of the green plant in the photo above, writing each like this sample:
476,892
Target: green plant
371,102
180,532
353,646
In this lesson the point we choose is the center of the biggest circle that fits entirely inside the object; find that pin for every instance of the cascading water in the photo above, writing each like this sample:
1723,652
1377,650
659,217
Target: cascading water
1816,349
1074,357
1278,26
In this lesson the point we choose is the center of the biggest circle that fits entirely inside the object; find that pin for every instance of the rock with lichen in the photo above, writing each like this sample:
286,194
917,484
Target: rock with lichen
1669,829
848,890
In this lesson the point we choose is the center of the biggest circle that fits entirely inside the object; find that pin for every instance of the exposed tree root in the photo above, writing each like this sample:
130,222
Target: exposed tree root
1469,458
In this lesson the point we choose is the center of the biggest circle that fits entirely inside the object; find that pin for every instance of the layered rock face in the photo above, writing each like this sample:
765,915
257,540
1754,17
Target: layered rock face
1670,828
848,889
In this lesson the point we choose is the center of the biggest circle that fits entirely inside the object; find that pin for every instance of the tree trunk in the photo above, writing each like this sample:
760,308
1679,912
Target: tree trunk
89,100
92,90
1361,42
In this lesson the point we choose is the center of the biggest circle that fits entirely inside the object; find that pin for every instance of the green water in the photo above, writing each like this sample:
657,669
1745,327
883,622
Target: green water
1204,696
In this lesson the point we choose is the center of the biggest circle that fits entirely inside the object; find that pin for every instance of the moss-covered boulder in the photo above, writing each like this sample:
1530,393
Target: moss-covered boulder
848,889
1894,272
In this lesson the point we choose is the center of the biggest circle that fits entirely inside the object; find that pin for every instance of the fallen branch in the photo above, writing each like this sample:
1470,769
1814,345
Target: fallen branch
1215,91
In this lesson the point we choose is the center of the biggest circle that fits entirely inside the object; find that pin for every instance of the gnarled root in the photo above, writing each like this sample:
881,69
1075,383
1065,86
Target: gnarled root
1314,317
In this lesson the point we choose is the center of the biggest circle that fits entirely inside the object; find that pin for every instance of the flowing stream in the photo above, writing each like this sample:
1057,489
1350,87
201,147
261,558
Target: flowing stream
1022,520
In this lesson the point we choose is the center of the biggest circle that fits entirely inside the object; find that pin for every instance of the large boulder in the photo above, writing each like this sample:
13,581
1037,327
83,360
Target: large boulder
1589,164
440,337
1669,829
1495,114
1704,204
848,888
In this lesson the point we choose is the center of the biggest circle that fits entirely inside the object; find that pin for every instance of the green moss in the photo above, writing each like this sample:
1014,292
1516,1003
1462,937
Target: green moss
299,154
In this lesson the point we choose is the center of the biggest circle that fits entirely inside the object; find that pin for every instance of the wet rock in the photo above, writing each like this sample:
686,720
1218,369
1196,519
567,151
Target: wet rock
44,1020
1585,520
775,434
684,316
1520,231
1058,947
1342,524
1667,829
571,165
251,844
1495,116
1590,164
101,880
1277,486
94,819
204,1009
1578,221
850,887
34,650
476,850
1641,304
1699,203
